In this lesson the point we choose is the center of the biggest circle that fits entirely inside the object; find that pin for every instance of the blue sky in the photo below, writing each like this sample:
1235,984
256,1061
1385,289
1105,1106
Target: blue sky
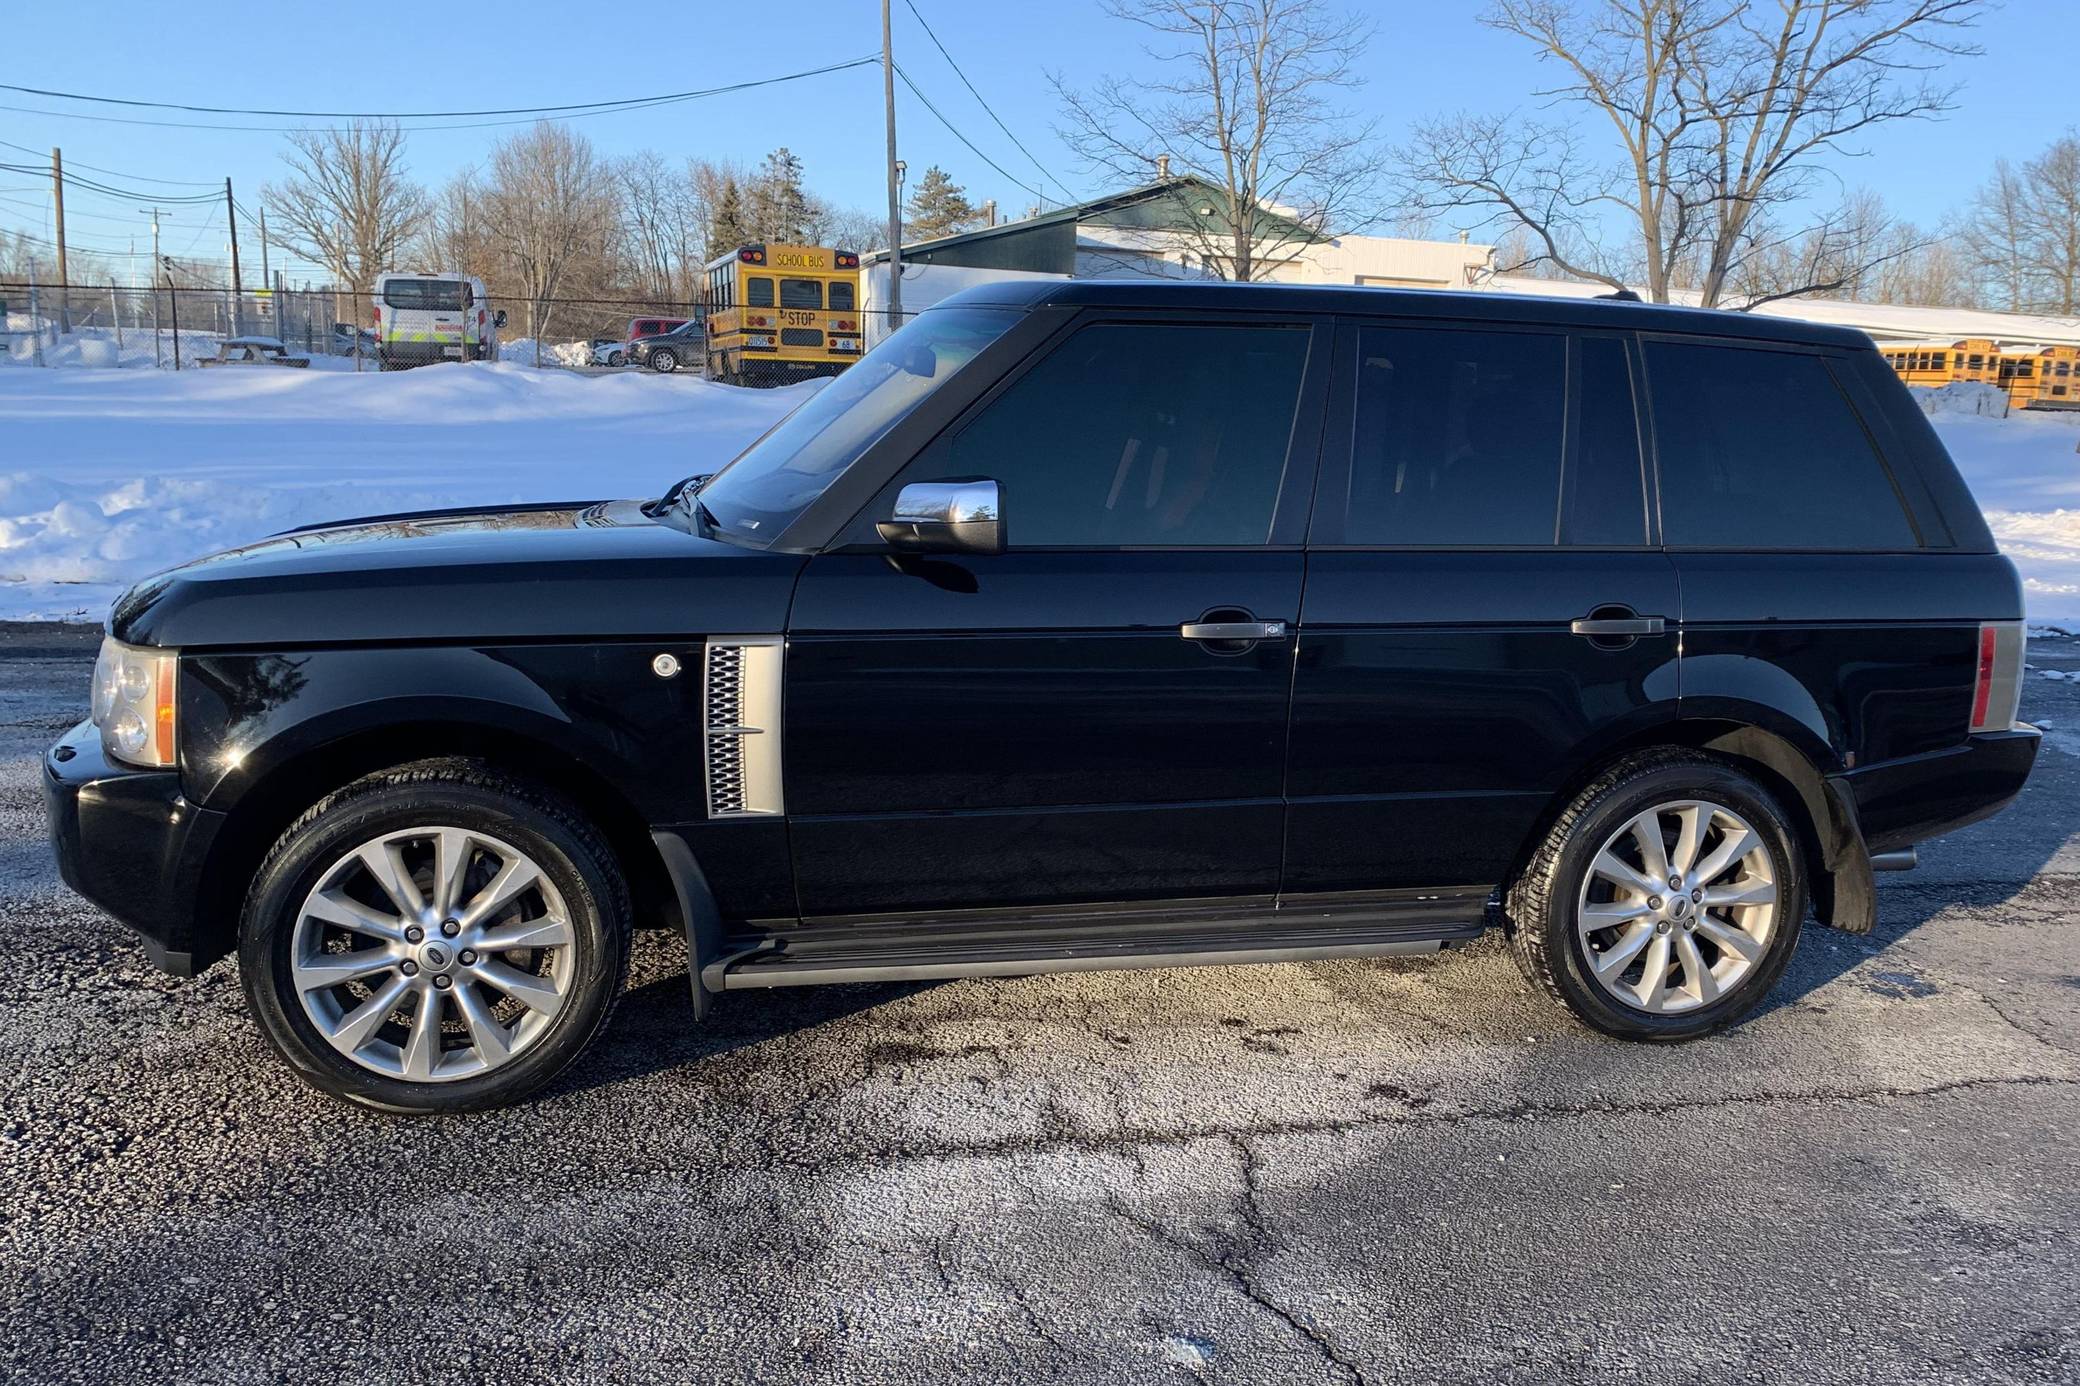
1427,59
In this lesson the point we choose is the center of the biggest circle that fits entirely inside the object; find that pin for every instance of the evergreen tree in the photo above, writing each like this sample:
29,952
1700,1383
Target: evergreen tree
778,205
728,226
940,207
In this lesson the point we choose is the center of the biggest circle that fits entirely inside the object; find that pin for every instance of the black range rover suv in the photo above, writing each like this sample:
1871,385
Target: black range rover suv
1082,626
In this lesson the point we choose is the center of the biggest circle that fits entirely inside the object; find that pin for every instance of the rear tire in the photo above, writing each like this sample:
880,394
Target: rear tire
435,938
1673,953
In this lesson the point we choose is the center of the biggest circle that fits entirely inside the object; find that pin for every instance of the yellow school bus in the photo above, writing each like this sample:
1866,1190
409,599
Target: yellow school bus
2046,378
781,313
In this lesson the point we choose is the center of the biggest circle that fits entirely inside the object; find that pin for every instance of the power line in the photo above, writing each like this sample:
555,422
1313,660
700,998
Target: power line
978,98
138,177
953,130
90,185
521,114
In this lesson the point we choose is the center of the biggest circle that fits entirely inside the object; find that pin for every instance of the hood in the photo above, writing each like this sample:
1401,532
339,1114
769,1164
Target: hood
571,570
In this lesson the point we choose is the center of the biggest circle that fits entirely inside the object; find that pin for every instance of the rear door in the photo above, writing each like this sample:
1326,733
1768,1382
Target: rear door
1046,725
1485,605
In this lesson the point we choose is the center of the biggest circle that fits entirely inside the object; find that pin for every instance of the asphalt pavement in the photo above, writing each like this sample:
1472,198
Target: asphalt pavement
1409,1170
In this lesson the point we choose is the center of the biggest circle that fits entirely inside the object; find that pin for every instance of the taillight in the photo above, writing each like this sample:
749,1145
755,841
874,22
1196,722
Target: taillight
1997,681
379,317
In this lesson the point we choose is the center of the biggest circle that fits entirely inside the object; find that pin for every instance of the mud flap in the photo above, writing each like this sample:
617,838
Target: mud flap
697,909
1845,896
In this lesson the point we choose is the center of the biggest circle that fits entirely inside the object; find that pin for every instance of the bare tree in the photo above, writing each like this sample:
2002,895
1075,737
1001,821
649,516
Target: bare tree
1716,118
1250,108
2053,246
1997,231
662,225
349,202
553,208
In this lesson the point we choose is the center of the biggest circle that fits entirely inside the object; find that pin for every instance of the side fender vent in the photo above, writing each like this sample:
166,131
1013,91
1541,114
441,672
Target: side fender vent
740,724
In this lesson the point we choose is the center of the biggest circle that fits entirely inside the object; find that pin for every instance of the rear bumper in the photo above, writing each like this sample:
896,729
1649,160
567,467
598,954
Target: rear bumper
426,353
1902,802
128,841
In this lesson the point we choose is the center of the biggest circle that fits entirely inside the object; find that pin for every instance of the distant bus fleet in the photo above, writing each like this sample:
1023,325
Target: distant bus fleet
2034,378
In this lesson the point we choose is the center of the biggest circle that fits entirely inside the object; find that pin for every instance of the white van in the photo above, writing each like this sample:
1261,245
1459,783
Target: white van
422,318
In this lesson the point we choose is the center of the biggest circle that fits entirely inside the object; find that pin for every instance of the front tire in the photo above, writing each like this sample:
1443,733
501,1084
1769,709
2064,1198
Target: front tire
435,938
614,358
1666,900
663,360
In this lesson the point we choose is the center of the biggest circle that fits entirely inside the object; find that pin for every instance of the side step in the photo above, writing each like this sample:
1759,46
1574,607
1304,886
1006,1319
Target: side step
1100,938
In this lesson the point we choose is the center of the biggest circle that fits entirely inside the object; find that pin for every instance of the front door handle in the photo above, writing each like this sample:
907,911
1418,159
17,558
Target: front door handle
1233,630
1621,626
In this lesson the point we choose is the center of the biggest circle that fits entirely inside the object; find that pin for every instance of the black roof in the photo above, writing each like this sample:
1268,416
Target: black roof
1465,306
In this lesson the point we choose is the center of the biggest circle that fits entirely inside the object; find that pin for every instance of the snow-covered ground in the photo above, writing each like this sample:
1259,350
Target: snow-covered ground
107,476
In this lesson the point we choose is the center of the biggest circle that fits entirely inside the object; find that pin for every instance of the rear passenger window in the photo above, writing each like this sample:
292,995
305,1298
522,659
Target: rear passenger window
1456,437
1762,450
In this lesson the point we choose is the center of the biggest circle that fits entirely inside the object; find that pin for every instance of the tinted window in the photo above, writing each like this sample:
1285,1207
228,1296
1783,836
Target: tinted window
758,292
801,293
1132,434
436,295
1456,437
841,296
1606,486
1761,449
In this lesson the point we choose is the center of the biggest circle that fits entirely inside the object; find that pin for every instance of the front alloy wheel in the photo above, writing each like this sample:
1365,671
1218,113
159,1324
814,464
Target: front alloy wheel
432,954
664,360
438,937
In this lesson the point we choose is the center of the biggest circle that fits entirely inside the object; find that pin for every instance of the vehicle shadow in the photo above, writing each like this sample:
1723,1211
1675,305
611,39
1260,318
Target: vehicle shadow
653,1030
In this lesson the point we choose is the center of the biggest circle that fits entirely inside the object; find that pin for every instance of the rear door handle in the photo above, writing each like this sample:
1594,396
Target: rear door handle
1618,625
1233,630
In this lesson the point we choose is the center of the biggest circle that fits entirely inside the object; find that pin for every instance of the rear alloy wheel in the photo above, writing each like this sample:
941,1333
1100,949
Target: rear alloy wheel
1666,900
664,360
435,938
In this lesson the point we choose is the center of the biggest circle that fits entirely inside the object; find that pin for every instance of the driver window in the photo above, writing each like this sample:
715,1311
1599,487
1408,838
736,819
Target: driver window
1139,434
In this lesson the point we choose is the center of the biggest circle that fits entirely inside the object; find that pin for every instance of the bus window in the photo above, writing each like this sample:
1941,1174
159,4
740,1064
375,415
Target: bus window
758,292
801,293
841,296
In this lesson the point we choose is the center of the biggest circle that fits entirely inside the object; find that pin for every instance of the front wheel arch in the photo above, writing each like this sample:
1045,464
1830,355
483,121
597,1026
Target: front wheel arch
269,806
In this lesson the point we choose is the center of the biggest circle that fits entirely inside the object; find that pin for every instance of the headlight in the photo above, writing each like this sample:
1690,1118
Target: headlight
133,703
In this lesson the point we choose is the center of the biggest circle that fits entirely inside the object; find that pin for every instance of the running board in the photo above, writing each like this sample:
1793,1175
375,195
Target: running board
1101,938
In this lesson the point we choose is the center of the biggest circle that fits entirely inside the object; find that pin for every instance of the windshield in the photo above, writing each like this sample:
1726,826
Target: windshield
771,482
441,295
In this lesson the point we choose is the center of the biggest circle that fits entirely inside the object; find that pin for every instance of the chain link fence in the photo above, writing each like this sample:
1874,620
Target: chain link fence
179,327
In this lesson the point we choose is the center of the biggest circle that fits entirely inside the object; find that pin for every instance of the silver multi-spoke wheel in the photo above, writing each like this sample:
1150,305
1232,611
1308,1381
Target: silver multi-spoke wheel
432,954
1678,907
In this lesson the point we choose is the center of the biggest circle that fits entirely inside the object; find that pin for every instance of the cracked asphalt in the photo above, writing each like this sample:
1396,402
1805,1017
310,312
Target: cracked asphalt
1344,1172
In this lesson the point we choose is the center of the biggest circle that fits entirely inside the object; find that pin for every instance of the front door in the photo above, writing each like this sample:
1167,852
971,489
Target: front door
1042,726
1484,610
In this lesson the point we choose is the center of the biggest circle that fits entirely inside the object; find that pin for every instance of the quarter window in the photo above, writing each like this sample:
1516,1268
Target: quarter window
1140,434
1456,437
1762,450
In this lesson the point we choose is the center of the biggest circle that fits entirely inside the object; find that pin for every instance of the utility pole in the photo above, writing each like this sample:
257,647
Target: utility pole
64,270
157,358
895,196
238,307
174,299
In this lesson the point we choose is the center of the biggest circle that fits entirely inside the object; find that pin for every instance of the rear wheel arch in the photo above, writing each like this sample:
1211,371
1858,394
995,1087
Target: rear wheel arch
280,797
1828,837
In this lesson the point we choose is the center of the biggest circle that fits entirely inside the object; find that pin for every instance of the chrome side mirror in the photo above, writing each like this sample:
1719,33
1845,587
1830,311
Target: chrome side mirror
946,517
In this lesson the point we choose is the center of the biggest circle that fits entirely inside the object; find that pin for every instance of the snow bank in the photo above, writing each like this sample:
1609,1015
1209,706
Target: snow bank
1962,397
108,476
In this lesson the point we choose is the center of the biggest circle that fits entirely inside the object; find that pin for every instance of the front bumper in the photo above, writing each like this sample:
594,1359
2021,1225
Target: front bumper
129,842
1902,802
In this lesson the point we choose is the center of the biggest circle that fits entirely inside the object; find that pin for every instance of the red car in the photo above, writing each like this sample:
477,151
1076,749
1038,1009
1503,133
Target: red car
639,328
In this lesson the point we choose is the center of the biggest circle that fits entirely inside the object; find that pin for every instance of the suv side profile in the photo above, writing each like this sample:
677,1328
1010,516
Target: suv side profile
683,345
1086,625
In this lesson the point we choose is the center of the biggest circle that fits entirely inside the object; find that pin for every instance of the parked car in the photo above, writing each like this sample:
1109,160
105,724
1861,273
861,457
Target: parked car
346,338
609,351
253,351
1086,625
685,345
639,328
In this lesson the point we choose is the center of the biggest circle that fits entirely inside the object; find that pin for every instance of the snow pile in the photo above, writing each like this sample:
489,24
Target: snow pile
521,352
108,476
1962,397
2026,475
